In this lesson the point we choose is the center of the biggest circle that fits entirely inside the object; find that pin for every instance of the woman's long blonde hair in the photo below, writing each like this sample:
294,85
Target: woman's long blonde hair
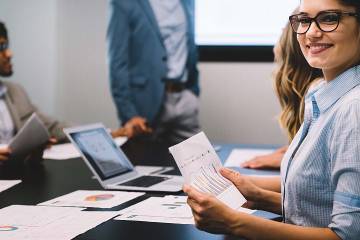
292,80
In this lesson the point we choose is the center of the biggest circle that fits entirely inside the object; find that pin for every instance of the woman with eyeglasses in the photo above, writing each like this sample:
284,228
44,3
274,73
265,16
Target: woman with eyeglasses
320,173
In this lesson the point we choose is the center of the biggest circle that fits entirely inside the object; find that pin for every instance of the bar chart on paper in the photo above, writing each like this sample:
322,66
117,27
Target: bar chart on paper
199,164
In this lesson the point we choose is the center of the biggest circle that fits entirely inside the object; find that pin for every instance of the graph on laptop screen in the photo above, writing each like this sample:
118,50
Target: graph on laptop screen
103,154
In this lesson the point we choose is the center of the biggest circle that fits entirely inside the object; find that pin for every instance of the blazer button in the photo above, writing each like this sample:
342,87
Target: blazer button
164,58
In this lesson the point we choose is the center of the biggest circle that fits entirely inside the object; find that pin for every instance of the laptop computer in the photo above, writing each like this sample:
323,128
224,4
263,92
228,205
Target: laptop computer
110,165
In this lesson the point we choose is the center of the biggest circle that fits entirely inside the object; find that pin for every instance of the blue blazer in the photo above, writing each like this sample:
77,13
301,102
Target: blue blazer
137,58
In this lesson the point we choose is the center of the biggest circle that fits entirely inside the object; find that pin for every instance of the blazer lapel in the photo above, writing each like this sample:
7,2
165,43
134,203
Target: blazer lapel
146,6
13,112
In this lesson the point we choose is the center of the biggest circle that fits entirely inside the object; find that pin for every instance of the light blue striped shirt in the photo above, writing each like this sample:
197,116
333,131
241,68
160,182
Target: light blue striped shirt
6,123
172,22
321,170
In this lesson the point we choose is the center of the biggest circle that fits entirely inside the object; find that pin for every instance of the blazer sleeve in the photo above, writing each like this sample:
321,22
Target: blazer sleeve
24,109
118,34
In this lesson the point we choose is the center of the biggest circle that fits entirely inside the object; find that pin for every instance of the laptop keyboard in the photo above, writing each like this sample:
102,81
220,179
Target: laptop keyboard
144,181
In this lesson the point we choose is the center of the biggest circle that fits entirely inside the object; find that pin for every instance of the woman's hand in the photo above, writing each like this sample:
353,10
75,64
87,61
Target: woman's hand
251,192
210,214
257,197
272,160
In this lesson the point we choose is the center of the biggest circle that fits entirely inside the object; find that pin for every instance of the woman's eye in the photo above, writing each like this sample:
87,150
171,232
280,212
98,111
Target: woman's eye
328,18
304,20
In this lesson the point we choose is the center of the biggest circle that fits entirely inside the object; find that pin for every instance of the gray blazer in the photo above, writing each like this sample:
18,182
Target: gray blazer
137,58
21,108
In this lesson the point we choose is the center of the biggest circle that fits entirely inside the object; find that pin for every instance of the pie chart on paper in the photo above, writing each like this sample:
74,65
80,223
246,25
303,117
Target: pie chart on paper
7,228
99,197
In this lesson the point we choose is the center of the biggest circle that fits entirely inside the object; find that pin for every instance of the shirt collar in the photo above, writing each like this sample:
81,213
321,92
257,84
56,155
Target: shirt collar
327,94
3,89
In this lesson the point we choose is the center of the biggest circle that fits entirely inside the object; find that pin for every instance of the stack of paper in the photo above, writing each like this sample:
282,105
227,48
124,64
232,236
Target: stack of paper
40,222
94,199
5,184
68,151
239,156
168,209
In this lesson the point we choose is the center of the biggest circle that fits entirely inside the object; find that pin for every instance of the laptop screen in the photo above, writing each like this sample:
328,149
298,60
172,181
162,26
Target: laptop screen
101,152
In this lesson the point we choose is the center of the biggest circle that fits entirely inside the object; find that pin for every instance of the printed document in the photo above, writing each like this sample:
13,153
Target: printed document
168,209
241,155
199,164
6,184
67,150
32,135
43,223
94,199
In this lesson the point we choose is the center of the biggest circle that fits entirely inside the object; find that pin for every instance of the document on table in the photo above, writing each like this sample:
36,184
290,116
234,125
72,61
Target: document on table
32,135
43,223
94,199
241,155
6,184
199,164
68,151
168,209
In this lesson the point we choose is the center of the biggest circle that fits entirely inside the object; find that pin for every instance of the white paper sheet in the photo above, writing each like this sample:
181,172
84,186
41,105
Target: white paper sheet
35,216
68,151
241,155
199,164
32,135
95,199
168,209
6,184
43,223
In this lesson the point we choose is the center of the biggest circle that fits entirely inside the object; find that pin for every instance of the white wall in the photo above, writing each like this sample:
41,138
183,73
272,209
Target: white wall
83,86
238,103
65,72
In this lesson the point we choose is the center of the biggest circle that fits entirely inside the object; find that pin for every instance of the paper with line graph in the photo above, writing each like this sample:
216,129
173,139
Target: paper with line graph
199,164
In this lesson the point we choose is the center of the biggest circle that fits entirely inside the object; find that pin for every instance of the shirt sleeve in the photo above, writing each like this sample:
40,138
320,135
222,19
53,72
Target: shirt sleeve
345,171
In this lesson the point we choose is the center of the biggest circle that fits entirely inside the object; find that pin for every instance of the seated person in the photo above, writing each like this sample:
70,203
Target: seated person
318,192
16,107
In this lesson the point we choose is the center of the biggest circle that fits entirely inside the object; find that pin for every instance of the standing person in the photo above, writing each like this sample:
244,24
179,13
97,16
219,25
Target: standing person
292,79
153,73
320,173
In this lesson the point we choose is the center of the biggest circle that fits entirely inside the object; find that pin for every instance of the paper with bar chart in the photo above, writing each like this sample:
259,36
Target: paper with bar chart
199,164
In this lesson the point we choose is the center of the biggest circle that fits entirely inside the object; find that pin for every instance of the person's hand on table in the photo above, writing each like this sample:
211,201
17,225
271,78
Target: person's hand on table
51,141
272,160
4,153
210,214
120,132
136,126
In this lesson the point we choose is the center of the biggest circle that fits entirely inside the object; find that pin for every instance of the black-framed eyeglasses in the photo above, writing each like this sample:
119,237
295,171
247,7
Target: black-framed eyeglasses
4,46
326,21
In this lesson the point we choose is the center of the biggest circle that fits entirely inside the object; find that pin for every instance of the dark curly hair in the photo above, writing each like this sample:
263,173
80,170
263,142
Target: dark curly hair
3,31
